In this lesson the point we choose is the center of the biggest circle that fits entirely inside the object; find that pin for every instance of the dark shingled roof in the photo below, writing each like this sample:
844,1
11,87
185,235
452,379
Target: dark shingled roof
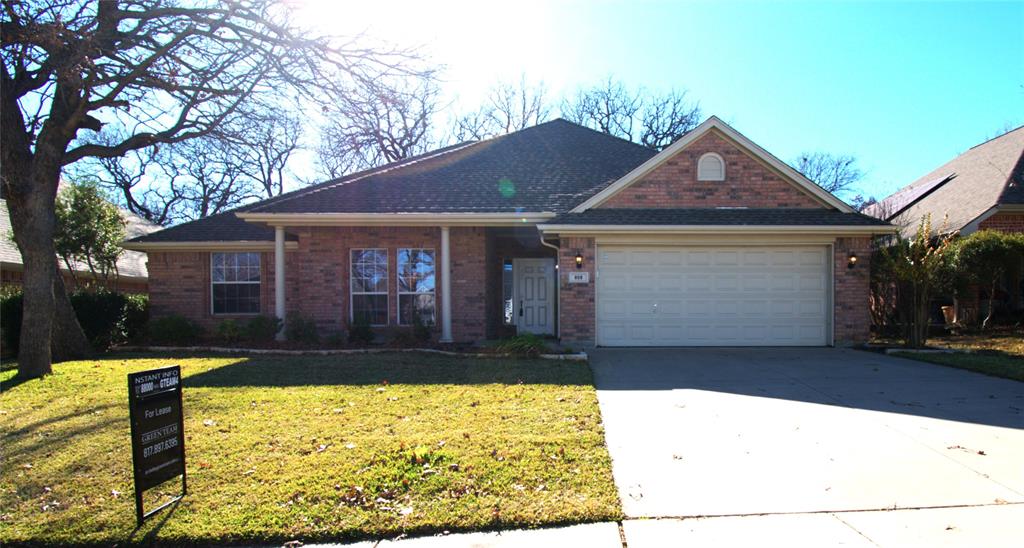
549,167
959,191
711,217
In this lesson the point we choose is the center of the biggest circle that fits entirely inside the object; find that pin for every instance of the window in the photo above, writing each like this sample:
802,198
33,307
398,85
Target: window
416,286
711,167
369,285
235,278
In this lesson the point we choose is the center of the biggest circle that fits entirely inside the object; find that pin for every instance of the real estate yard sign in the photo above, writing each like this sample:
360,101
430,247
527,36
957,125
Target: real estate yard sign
158,433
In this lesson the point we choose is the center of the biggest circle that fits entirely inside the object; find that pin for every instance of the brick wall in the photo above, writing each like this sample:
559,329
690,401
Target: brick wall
1004,222
748,182
852,313
469,300
180,284
318,277
576,314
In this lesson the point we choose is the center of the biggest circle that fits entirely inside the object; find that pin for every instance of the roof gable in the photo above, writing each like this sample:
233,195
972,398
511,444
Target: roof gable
714,126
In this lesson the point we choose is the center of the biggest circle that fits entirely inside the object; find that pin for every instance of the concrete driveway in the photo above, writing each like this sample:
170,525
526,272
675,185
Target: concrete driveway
725,432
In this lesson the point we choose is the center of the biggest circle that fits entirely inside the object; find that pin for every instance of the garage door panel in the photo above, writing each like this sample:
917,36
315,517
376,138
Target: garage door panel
701,296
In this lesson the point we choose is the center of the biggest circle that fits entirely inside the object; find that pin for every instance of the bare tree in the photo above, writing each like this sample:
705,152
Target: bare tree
168,71
264,144
609,108
665,118
205,177
377,122
835,173
507,108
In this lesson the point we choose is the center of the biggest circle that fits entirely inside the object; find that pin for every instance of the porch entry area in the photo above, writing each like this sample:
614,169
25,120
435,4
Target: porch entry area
527,276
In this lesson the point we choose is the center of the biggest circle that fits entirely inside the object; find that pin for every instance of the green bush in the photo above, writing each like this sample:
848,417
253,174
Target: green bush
523,345
421,331
107,318
101,314
300,329
136,315
229,331
10,318
174,330
360,331
262,328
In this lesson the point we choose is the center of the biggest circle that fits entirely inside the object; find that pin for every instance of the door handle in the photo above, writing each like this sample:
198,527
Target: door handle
520,307
654,309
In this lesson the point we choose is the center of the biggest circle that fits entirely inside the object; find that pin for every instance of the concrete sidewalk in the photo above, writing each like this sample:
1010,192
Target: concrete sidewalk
992,526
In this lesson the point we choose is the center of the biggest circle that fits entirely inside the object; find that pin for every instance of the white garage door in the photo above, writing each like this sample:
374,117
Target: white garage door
712,296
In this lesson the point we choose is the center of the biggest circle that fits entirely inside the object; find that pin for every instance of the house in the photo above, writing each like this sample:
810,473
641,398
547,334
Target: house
983,188
131,265
557,230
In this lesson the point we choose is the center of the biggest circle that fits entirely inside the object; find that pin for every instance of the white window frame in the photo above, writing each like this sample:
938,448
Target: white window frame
259,307
351,285
398,284
721,162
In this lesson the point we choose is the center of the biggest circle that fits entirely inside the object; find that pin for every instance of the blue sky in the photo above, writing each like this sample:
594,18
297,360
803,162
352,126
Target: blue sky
902,86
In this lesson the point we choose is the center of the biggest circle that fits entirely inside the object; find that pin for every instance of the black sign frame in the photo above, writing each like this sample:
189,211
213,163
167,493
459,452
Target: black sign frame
156,412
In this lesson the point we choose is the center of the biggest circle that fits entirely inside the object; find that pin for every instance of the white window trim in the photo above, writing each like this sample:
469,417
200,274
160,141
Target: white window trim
351,284
398,284
213,311
701,161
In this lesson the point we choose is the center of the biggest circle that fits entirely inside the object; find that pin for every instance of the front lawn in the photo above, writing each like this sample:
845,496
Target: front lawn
996,353
312,448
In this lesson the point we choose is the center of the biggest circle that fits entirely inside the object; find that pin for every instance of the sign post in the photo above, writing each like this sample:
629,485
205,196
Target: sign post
158,432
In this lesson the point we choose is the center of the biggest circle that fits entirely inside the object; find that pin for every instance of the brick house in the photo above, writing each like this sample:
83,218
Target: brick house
556,230
983,188
131,276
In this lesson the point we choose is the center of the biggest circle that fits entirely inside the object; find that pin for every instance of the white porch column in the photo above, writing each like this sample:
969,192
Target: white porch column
279,278
446,286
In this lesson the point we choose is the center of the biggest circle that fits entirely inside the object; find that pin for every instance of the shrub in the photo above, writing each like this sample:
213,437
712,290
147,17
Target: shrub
229,331
984,258
421,331
300,329
10,318
136,315
107,318
523,345
174,330
101,314
360,331
262,328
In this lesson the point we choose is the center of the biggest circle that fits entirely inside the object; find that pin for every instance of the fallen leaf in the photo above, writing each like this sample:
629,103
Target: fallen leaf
350,445
209,422
323,447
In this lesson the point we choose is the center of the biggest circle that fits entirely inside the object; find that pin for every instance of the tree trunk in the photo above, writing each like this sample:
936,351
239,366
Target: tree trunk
33,230
991,303
69,341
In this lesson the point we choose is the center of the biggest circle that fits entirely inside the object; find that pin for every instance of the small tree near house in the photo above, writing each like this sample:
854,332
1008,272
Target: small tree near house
914,270
89,232
986,256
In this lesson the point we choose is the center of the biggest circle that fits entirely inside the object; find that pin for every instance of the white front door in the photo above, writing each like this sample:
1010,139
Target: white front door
712,296
534,291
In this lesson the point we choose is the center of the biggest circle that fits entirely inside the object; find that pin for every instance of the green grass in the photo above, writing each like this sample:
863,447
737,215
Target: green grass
996,353
324,448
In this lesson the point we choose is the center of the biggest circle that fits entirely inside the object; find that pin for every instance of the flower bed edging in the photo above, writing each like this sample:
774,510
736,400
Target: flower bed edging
580,356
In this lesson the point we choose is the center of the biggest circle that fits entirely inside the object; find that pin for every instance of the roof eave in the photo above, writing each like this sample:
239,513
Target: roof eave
838,230
397,219
239,245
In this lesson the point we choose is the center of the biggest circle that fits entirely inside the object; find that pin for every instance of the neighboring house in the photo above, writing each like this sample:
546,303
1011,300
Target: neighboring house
557,230
982,188
131,265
